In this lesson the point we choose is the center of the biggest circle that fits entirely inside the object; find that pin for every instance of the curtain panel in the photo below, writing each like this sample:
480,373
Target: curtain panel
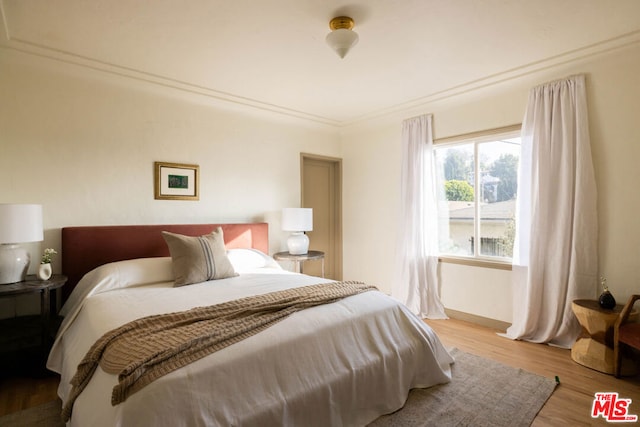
555,253
416,281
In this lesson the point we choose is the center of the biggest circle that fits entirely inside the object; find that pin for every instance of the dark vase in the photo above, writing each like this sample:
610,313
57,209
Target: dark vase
606,300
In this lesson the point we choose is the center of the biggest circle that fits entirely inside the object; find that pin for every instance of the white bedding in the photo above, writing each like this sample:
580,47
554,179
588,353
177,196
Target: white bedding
344,363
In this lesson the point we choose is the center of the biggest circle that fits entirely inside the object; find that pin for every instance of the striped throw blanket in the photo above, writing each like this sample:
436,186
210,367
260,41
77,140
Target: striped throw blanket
148,348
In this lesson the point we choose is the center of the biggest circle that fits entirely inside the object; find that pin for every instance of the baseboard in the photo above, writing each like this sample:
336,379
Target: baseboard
478,320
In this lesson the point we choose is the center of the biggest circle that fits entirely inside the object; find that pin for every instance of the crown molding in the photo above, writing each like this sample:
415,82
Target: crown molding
159,80
573,56
423,102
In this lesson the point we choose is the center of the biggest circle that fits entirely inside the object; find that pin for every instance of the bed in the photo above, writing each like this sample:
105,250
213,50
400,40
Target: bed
343,363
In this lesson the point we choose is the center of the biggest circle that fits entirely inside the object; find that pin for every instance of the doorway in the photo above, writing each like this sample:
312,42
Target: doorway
321,188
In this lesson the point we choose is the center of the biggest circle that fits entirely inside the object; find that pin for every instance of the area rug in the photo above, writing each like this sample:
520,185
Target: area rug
481,393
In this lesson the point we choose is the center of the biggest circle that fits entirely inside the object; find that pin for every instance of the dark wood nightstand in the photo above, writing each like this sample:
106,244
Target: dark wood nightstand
28,334
298,260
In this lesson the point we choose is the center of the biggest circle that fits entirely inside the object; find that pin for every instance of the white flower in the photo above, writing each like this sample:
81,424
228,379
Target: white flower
48,255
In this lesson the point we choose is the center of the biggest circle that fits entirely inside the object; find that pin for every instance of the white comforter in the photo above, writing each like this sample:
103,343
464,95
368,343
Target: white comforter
338,364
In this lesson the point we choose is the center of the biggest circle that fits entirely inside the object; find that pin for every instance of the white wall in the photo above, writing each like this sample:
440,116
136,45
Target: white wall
371,156
83,143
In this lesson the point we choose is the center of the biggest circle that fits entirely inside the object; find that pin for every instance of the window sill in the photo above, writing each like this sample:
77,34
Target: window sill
476,262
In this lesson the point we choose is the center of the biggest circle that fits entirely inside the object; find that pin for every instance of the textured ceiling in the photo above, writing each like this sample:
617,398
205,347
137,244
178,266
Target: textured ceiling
271,54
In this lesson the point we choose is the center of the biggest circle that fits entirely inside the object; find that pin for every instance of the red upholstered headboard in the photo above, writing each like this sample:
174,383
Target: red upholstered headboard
85,248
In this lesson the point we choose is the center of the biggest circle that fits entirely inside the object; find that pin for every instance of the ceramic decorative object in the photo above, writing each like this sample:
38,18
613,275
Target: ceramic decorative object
606,300
44,271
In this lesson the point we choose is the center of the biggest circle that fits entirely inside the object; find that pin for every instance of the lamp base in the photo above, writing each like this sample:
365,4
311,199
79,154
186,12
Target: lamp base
14,263
298,243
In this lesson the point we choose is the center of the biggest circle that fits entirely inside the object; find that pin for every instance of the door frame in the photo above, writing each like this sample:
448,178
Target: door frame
336,164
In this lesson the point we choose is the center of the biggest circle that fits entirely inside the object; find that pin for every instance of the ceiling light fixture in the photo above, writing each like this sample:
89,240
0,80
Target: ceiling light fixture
342,38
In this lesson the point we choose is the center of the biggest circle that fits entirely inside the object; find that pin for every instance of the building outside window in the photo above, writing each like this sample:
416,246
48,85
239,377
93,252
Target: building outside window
477,182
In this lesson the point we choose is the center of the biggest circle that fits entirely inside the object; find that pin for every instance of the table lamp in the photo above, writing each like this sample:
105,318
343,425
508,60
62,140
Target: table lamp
19,223
297,220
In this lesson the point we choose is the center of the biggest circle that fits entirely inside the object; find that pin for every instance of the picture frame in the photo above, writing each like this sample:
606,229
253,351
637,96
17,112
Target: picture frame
176,181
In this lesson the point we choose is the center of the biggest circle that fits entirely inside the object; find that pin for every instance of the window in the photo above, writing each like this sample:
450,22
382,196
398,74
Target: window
477,181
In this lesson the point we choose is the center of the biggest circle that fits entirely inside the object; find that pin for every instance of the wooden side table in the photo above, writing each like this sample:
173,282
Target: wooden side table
594,348
298,260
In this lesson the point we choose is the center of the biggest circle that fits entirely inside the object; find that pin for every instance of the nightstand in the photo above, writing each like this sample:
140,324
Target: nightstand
298,260
594,349
24,333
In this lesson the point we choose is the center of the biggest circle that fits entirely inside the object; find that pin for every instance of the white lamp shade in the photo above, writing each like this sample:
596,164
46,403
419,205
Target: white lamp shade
342,40
297,219
20,223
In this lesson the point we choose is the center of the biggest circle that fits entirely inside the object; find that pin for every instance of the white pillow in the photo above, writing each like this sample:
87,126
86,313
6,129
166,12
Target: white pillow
250,259
116,275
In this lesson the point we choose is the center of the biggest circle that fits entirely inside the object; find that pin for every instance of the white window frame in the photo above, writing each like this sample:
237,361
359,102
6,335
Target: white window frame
476,138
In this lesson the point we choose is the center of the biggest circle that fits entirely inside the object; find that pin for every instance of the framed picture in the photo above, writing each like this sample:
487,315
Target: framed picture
176,181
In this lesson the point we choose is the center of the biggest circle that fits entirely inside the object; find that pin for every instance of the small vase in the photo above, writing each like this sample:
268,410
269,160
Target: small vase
606,300
44,271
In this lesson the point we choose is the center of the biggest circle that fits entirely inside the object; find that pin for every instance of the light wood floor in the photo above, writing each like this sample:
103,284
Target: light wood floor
570,404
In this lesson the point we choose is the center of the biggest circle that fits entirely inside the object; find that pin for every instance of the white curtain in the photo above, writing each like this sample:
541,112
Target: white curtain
555,254
416,282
